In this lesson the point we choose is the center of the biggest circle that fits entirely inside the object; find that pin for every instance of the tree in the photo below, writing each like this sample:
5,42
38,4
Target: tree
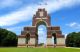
7,38
73,39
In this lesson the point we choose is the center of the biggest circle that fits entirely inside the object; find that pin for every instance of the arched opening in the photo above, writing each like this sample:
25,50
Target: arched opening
42,33
54,40
27,38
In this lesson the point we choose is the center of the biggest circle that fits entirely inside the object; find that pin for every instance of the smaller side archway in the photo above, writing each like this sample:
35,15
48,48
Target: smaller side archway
27,39
54,38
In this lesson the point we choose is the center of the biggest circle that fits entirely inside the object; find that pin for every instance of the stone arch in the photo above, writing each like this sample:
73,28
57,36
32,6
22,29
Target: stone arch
38,24
54,34
41,22
27,38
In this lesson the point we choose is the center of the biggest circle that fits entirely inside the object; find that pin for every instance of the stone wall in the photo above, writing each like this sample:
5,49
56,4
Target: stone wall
60,41
32,41
21,41
49,41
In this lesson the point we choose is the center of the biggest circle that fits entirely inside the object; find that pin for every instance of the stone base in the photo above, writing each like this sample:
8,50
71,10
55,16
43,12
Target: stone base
32,41
30,45
21,45
33,46
60,45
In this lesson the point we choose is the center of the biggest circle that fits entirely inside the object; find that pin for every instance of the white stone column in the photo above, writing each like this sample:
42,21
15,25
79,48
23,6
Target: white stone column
21,41
32,41
60,41
49,41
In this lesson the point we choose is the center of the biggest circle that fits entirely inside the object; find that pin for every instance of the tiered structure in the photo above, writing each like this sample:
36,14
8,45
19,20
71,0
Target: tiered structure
29,36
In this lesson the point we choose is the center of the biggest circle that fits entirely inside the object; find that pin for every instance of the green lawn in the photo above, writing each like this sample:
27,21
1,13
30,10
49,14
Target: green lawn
39,50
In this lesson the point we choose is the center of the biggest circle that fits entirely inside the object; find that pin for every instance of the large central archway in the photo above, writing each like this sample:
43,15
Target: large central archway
41,32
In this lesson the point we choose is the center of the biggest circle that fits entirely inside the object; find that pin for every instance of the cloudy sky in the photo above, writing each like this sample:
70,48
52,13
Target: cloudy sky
15,14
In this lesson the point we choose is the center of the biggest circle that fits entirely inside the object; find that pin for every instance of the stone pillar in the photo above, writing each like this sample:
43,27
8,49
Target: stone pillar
61,42
49,42
21,42
32,42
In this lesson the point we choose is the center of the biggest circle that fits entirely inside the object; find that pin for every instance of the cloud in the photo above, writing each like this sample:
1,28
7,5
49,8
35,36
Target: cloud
25,13
18,28
65,35
9,3
74,25
15,29
55,5
41,29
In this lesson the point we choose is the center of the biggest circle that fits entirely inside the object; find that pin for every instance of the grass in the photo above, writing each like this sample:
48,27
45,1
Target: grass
13,49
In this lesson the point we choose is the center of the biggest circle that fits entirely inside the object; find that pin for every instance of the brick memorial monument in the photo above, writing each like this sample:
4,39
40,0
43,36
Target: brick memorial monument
29,35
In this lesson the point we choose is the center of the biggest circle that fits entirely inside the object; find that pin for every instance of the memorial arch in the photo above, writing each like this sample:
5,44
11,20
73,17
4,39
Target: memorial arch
29,35
41,27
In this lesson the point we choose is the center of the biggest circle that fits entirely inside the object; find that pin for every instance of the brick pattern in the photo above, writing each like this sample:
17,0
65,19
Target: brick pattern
45,15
